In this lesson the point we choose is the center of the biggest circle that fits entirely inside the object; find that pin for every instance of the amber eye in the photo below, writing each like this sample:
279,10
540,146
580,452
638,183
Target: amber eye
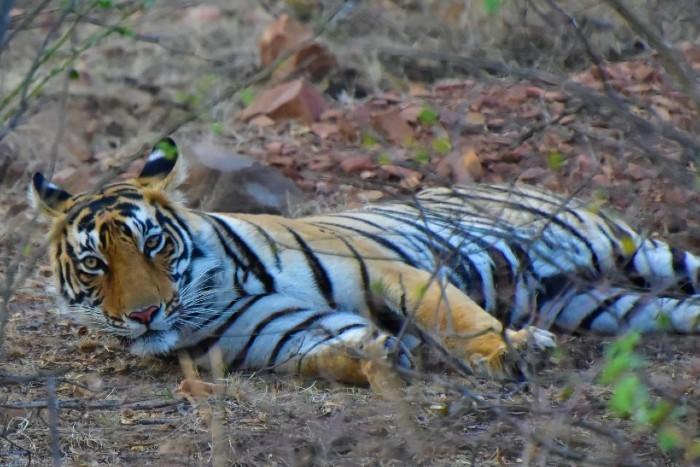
153,243
91,263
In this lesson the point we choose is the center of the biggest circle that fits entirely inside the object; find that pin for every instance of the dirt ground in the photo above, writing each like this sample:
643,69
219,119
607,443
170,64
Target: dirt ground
127,90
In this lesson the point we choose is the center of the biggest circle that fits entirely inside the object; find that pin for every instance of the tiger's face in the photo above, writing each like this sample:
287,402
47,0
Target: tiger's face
120,255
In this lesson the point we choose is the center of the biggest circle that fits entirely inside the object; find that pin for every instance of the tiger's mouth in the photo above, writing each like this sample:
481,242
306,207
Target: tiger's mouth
154,342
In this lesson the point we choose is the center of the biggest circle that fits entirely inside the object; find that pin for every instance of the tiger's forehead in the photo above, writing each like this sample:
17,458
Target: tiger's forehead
117,208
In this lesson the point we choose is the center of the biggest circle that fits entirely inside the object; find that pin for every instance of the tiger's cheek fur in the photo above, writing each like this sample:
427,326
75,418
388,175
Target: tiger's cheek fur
133,281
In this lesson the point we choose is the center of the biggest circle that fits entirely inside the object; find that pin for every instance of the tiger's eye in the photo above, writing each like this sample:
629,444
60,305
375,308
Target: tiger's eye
91,262
152,242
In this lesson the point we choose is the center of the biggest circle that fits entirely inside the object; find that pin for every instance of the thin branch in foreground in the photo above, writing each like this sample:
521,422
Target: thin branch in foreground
54,440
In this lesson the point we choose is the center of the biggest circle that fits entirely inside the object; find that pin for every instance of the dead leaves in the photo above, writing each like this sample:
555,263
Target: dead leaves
297,100
310,58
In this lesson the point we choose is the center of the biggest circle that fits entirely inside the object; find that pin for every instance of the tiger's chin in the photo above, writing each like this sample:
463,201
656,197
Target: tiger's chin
155,343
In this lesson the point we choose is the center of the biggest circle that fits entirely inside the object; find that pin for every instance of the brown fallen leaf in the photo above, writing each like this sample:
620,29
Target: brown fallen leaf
468,166
532,174
369,196
395,128
298,100
285,34
357,163
262,121
410,112
281,35
324,130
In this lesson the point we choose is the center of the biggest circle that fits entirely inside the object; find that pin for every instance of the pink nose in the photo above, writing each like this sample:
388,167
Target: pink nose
144,316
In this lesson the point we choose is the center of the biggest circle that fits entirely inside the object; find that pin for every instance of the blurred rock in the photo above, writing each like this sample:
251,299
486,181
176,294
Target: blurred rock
220,180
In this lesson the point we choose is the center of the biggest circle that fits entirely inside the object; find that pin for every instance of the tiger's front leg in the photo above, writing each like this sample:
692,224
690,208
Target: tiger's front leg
284,334
460,323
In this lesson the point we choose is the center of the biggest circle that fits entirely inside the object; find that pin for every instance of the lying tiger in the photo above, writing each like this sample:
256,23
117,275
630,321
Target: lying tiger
320,295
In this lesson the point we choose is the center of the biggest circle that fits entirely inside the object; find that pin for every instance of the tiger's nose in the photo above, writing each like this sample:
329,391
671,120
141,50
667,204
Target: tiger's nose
144,316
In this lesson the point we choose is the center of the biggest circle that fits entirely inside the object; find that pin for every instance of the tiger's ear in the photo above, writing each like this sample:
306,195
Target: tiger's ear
48,198
159,173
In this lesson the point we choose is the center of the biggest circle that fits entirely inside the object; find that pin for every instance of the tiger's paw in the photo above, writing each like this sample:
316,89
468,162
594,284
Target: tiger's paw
534,338
384,358
501,360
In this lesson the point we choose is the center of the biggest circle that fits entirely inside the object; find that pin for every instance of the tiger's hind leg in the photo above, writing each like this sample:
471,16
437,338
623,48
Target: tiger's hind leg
460,323
347,348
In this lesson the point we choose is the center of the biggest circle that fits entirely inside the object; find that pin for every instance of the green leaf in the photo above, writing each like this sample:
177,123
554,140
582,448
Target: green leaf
660,413
124,31
664,322
384,159
422,156
442,146
624,344
428,116
104,3
566,393
217,128
26,251
556,160
73,74
668,439
246,96
628,396
693,452
368,141
492,6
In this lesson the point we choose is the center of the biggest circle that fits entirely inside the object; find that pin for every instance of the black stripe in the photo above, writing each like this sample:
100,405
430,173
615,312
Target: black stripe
683,282
599,310
305,325
271,243
550,217
202,347
451,255
364,274
377,239
241,356
237,286
323,282
253,262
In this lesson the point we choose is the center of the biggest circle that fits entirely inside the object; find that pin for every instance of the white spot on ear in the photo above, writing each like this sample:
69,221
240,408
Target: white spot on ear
157,154
52,186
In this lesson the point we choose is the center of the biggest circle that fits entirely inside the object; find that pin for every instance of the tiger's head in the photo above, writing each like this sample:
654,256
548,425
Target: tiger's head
121,255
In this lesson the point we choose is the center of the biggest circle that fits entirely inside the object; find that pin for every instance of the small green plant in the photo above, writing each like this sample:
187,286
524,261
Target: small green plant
383,159
428,116
556,160
633,399
441,146
492,6
246,96
422,156
368,141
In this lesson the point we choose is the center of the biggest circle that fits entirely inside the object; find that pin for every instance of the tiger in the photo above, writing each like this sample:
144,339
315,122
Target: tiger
485,270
